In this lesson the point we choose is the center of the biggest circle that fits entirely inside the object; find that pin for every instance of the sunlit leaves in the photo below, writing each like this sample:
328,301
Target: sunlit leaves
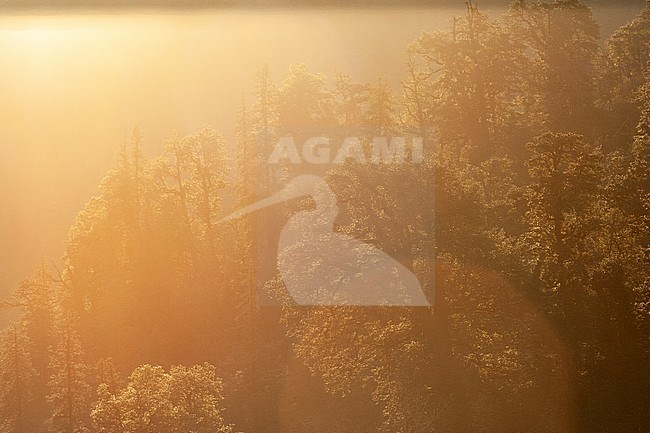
183,400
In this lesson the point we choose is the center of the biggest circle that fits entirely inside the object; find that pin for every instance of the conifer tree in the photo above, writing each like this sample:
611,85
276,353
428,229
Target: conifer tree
16,380
69,390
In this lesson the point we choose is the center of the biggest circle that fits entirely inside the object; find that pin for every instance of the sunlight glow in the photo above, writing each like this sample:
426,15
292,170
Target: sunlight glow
38,36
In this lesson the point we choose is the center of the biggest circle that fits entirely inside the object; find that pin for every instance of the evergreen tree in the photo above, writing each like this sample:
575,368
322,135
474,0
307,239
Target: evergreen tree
69,390
563,36
17,376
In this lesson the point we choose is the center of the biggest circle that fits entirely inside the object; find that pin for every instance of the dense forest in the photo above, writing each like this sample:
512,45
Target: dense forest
526,223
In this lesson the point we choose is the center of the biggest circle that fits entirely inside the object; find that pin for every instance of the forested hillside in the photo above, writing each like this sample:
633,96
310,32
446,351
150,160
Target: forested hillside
526,223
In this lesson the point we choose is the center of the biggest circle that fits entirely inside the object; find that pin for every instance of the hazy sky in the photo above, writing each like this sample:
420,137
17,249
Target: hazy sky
72,87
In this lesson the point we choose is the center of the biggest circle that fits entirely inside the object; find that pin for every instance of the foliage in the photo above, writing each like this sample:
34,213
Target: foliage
185,399
526,224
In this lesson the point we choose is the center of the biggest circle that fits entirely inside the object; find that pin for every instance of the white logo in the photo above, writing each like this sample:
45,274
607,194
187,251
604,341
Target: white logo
318,150
322,267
